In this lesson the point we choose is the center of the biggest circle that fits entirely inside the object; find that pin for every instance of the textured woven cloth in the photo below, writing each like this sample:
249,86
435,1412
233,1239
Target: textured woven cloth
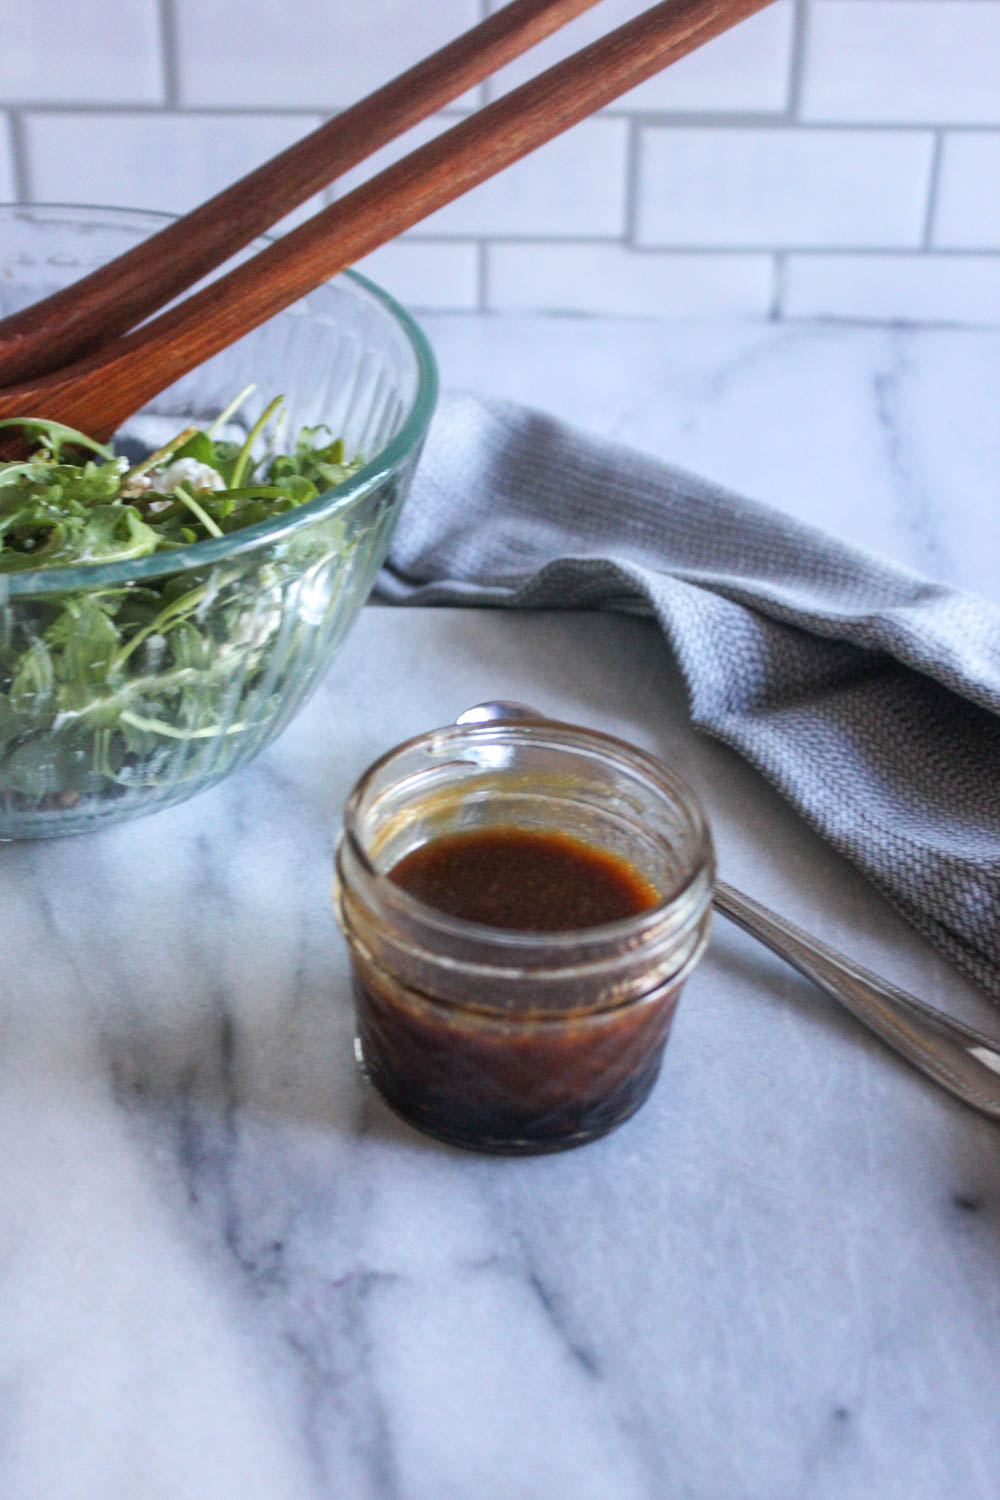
867,694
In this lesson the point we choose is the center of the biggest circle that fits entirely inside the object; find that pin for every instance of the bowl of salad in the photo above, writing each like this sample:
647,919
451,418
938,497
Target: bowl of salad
169,601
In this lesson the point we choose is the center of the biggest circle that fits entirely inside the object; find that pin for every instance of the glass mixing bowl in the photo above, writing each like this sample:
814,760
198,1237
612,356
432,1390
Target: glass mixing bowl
256,616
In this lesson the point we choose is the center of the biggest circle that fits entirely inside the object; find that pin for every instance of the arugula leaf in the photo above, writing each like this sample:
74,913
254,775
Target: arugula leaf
55,436
199,446
99,687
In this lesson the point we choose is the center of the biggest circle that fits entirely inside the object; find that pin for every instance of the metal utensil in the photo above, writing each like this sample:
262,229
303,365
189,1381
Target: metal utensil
960,1059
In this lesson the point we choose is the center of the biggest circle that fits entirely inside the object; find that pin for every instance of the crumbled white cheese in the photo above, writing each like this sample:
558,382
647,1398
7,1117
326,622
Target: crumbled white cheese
136,486
187,471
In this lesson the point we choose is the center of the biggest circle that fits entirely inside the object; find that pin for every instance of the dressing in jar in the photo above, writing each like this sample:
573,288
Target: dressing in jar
522,902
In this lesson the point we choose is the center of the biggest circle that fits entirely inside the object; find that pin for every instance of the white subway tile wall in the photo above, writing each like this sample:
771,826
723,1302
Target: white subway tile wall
572,188
812,188
904,288
424,272
305,53
933,61
77,52
968,200
746,69
160,161
612,279
832,158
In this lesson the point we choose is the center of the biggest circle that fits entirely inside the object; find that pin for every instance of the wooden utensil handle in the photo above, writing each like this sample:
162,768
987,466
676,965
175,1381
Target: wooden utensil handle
143,363
117,296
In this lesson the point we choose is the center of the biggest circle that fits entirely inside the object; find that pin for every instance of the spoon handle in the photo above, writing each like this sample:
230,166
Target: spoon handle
961,1060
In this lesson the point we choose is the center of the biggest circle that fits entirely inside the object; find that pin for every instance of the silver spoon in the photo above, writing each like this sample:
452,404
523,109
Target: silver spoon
961,1060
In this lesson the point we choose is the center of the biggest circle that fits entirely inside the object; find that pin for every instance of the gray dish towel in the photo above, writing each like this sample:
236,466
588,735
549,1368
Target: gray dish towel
867,694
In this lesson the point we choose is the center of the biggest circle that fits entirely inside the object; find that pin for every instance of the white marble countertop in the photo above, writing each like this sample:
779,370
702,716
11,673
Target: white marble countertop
227,1270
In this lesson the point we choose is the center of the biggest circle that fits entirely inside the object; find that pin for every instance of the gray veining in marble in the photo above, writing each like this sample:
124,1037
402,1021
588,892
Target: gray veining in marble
227,1271
888,436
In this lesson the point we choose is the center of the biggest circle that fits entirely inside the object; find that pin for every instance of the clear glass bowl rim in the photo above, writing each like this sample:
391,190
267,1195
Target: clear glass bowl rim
202,554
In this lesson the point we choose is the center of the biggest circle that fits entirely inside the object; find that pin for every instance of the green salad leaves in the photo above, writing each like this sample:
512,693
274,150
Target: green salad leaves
104,688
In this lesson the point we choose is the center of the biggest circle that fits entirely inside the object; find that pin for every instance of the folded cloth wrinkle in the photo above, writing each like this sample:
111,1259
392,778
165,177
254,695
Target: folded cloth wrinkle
868,694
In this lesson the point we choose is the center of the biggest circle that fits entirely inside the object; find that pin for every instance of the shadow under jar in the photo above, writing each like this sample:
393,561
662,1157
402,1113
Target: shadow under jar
504,1038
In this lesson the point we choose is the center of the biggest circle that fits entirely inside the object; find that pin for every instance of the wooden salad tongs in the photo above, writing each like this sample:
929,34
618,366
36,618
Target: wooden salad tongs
78,357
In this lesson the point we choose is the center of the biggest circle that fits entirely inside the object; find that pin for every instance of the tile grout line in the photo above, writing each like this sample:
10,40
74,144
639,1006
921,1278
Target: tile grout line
796,62
607,241
19,156
169,55
778,286
933,190
633,149
146,110
750,120
482,276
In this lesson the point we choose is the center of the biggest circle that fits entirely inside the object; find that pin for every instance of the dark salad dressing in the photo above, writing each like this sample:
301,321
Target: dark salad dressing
528,1078
523,879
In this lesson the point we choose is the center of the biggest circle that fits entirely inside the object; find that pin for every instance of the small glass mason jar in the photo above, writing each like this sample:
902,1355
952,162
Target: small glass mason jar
504,1040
